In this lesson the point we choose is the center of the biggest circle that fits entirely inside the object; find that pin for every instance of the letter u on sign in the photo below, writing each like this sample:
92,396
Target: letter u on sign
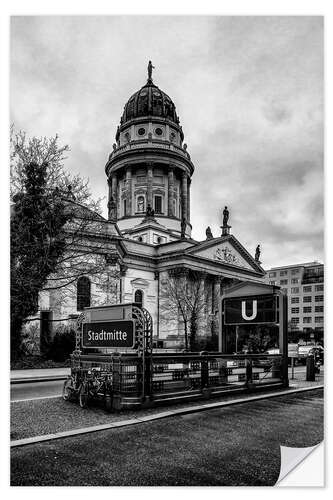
254,310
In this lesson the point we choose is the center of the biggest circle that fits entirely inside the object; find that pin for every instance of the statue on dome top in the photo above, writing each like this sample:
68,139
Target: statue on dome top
150,71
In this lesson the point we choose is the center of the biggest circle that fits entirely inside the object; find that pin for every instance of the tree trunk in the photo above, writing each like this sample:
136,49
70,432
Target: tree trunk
193,331
186,335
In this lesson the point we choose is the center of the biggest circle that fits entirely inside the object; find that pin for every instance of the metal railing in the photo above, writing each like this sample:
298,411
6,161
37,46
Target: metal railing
190,372
167,374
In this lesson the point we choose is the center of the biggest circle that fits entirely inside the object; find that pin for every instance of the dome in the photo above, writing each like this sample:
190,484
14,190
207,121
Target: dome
149,101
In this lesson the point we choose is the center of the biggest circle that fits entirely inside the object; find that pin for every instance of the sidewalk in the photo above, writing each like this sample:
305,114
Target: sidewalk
48,374
35,375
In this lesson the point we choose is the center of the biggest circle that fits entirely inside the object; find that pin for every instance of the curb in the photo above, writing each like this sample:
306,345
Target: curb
181,411
27,380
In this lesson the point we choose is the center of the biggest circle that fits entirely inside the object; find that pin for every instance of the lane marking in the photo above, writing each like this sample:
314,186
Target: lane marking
157,416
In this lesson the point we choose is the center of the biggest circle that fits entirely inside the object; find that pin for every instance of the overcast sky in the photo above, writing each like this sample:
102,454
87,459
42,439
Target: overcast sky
248,91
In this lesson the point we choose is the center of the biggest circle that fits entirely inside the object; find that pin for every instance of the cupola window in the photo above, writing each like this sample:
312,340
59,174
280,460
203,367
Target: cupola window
158,131
141,131
83,293
158,204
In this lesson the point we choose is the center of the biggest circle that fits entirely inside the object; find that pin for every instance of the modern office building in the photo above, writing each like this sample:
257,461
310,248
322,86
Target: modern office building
304,284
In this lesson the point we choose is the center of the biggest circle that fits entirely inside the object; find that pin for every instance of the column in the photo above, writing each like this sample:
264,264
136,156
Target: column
114,191
170,192
184,196
129,190
150,185
109,198
188,198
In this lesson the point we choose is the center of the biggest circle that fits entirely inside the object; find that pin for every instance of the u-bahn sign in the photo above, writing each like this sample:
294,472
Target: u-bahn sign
254,309
109,334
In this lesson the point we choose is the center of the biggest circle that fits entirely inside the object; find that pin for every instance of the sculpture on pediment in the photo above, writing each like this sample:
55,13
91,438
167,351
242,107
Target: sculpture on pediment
209,234
257,255
226,255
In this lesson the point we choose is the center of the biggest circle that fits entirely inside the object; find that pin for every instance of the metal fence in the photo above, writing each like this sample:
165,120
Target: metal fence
164,375
191,372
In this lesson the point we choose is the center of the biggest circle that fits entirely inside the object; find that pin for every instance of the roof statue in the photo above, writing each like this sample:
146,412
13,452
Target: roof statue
150,212
112,206
150,71
209,234
183,227
257,255
225,226
225,216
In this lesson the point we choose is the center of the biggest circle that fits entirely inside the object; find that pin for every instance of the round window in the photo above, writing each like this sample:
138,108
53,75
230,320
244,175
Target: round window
141,131
158,131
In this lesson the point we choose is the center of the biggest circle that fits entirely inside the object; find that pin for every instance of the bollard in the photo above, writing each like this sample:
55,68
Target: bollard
310,368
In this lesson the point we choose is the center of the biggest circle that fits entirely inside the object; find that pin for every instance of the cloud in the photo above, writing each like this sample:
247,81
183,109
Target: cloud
248,91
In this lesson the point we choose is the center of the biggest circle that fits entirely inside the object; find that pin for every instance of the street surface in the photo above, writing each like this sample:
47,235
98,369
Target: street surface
230,446
33,390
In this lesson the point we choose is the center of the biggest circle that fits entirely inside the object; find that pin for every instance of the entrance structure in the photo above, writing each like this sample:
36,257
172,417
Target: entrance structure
135,376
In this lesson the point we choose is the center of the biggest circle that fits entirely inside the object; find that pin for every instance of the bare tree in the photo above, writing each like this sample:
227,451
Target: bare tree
186,296
48,254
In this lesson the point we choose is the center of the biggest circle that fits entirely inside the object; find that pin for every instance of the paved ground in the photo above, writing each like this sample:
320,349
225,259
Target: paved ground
236,446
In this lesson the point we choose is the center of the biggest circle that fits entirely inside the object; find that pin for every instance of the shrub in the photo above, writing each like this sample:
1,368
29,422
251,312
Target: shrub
30,339
62,345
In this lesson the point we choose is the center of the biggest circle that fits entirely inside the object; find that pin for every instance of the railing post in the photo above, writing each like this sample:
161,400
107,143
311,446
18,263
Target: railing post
310,368
148,377
248,373
204,372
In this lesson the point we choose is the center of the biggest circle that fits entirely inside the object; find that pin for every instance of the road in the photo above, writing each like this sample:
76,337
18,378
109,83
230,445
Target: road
32,390
231,446
53,388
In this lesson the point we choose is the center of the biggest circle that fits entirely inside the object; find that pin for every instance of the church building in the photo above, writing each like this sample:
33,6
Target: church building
146,240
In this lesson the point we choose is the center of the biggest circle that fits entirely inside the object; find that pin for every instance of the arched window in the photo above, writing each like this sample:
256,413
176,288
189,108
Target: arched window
140,204
83,293
138,298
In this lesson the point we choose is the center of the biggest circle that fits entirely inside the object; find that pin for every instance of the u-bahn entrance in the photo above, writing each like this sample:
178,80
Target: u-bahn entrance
115,363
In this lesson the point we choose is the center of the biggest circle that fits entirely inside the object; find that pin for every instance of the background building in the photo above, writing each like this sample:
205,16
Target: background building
304,284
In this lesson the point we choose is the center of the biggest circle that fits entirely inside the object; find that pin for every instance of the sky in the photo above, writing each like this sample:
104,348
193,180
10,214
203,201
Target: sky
248,91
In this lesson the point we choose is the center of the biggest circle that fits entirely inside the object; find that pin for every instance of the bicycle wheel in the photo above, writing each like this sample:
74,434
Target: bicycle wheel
68,389
83,395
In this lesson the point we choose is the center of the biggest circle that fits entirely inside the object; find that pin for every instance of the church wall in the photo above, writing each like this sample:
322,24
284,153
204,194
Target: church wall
136,279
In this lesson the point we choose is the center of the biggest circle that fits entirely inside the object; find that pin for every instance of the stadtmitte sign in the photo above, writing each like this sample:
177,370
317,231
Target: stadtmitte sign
116,334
